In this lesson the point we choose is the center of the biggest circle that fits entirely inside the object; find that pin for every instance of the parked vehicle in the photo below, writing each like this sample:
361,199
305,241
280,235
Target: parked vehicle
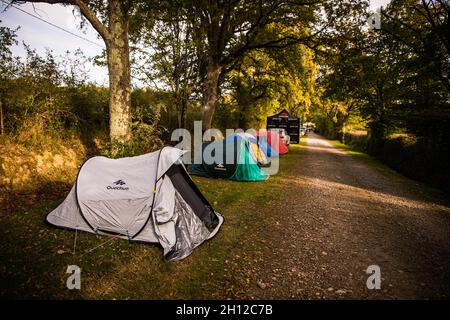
303,131
283,135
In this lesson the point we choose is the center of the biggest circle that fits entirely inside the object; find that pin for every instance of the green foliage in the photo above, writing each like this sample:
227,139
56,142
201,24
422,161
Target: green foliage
157,107
357,140
90,105
418,158
33,98
267,55
228,30
266,81
168,60
7,39
39,271
395,78
145,139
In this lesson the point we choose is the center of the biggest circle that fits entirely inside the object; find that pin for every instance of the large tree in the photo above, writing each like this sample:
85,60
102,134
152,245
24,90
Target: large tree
417,34
226,30
166,56
266,81
396,77
111,19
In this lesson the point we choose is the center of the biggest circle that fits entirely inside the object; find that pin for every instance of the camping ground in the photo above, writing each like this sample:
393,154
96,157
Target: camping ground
310,231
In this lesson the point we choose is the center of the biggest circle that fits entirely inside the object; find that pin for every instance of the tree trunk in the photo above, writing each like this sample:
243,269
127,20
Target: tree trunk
2,126
118,53
115,35
210,95
182,112
243,101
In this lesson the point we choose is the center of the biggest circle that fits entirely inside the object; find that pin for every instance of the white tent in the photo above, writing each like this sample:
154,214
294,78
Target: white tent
148,198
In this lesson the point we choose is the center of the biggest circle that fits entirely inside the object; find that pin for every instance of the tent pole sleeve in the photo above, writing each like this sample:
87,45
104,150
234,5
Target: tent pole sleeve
216,229
78,200
154,196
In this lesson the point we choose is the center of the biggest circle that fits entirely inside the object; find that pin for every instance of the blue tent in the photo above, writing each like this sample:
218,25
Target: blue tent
240,158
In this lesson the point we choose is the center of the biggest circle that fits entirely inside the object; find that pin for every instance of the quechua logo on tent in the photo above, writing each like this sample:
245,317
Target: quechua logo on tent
119,182
220,167
118,185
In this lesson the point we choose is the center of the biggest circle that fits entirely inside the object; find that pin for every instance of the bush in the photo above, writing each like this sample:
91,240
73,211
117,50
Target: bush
357,140
145,139
39,99
420,159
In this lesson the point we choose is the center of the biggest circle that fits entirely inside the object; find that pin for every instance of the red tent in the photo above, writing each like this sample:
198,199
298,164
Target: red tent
272,139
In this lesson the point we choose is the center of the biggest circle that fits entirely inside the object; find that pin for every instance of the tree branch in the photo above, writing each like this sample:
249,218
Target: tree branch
87,13
44,1
92,18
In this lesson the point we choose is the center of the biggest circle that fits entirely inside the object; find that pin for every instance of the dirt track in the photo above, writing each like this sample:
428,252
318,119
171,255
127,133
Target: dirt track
344,214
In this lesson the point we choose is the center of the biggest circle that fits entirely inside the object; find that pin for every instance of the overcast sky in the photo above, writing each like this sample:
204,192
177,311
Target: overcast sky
40,35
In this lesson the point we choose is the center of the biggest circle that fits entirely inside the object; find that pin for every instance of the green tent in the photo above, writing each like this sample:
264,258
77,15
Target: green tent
234,159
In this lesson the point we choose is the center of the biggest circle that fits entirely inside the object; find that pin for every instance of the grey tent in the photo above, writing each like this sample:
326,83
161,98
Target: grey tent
148,198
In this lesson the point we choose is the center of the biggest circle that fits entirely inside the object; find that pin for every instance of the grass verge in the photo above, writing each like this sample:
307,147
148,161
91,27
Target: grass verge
34,257
363,157
436,197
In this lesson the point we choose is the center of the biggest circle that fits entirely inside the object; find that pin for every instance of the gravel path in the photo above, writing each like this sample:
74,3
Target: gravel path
342,215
